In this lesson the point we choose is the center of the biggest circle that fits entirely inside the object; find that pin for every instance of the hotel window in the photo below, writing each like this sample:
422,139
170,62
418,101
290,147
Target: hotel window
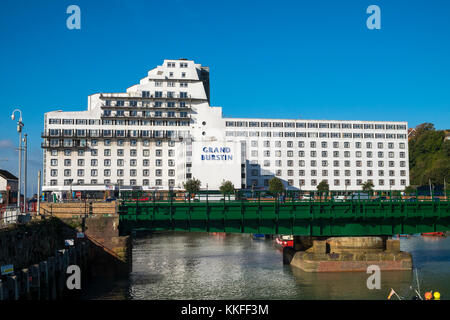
301,144
391,164
158,172
53,172
380,145
146,162
158,182
347,182
133,162
324,173
336,163
312,144
278,163
391,173
301,173
402,163
301,182
120,172
67,162
290,144
347,173
324,154
346,144
158,162
380,154
107,162
278,173
301,153
346,163
80,162
369,173
277,153
133,172
392,182
54,162
313,163
336,182
107,152
359,163
183,65
391,154
358,154
266,163
336,173
359,173
358,182
290,153
313,173
266,153
324,144
324,163
403,182
290,173
301,163
402,154
290,163
254,153
381,163
171,163
107,172
313,182
369,163
145,172
94,162
313,153
347,154
171,64
381,173
336,154
402,145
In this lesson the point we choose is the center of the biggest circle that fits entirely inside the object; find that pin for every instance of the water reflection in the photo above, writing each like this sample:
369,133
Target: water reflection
218,266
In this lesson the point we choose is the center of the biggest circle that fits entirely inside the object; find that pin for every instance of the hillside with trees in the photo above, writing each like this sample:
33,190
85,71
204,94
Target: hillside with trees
429,155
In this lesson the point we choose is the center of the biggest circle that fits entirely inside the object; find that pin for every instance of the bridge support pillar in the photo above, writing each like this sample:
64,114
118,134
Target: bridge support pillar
339,254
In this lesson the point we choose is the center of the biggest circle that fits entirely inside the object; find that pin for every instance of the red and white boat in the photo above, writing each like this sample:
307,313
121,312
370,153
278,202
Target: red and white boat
285,241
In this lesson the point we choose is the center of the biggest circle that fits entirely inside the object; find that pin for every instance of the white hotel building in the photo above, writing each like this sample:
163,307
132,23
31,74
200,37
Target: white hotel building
163,131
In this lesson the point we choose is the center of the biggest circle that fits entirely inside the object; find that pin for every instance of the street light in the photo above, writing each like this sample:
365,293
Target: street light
19,130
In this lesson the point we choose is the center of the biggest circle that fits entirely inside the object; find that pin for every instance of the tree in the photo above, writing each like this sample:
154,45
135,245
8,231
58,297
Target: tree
227,187
367,186
276,185
410,190
192,186
323,187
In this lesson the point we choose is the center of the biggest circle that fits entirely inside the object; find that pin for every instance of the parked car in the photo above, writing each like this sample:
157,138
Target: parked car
339,198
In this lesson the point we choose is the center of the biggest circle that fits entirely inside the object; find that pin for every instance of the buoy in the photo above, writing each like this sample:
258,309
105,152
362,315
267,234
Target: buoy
428,295
437,296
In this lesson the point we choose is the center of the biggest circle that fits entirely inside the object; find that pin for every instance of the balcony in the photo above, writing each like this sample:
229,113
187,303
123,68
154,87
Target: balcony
150,117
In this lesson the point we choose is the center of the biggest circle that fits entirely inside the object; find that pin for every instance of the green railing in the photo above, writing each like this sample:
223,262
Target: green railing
319,215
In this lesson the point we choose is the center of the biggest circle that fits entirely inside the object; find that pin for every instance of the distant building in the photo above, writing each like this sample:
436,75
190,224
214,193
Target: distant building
8,187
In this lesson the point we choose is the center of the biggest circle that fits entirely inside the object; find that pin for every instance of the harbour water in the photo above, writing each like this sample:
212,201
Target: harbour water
234,266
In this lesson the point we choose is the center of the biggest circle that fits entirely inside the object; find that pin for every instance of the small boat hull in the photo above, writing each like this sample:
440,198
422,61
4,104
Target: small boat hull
433,234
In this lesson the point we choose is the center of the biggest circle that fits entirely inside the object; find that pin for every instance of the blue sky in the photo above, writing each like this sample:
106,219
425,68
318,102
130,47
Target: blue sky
289,59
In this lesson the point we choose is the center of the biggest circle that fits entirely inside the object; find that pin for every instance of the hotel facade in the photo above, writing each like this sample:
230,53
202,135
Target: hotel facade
163,131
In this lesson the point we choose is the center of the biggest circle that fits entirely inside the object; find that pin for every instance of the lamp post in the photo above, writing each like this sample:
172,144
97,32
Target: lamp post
19,130
25,207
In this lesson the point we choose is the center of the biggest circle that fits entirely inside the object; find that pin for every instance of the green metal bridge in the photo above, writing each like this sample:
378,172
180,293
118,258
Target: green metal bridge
365,215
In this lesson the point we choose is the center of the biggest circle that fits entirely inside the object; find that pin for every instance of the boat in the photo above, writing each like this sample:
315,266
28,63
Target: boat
256,236
433,234
285,241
